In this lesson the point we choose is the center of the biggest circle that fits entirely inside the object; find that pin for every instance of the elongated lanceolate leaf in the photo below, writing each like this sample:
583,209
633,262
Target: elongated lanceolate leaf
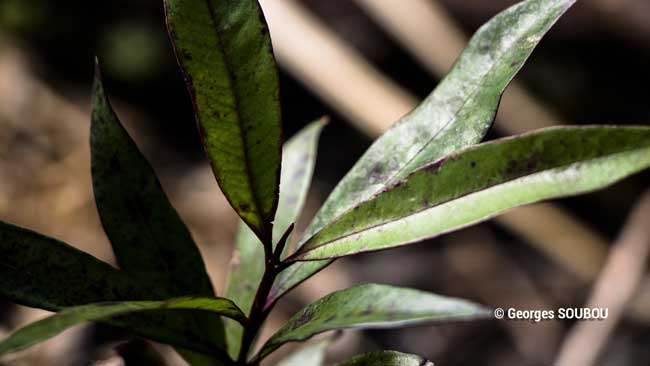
247,266
55,324
298,161
45,273
371,306
386,358
225,52
149,240
456,114
479,182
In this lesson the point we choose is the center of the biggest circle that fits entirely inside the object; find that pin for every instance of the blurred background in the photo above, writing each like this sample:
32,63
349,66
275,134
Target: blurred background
364,63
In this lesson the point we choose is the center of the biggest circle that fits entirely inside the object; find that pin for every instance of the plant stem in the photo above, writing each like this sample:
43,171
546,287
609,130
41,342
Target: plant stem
257,314
272,267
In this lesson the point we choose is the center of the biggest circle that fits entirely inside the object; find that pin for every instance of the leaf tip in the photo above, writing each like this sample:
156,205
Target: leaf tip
98,85
324,120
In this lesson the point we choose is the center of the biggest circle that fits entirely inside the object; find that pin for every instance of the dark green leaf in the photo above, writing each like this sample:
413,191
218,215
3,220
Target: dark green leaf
247,266
55,324
42,272
456,114
371,306
33,268
225,52
481,181
386,358
150,241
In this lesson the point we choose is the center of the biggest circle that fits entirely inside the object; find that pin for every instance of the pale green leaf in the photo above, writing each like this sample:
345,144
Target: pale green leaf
298,161
371,306
456,114
247,266
479,182
312,354
386,358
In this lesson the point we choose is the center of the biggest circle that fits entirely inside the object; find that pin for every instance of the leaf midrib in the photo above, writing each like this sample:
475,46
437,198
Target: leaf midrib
340,238
389,182
231,78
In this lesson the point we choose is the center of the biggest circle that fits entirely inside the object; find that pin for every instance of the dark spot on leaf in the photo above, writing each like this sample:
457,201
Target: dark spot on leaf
304,318
376,173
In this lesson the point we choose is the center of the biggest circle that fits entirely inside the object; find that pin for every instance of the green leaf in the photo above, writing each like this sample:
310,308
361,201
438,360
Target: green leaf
225,52
149,240
481,181
456,114
298,161
42,272
33,267
371,306
386,358
312,354
247,267
246,271
55,324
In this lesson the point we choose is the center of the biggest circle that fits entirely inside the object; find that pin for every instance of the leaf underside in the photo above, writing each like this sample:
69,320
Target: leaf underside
479,182
456,114
247,266
312,354
371,306
386,358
